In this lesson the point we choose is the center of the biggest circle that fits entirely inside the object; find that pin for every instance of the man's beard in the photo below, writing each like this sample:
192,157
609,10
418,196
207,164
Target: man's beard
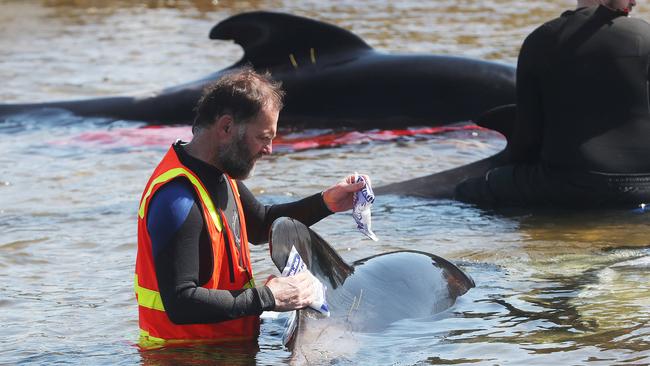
236,159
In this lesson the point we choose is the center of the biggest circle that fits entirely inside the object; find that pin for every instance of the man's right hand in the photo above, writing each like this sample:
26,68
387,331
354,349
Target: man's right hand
293,292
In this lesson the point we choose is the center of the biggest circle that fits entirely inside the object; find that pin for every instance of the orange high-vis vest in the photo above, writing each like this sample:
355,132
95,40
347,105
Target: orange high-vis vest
156,329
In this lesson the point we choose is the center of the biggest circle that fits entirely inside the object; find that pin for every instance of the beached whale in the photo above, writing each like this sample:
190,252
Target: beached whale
332,79
366,296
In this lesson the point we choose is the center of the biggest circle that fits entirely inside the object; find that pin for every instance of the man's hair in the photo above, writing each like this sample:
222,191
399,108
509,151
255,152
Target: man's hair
242,93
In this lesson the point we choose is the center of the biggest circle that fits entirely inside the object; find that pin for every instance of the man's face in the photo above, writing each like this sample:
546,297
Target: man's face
623,5
250,142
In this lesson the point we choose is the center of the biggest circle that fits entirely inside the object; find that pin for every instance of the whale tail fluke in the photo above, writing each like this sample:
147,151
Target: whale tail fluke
270,38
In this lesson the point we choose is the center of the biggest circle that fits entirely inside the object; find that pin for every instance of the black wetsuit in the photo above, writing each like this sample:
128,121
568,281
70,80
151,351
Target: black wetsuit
182,249
582,133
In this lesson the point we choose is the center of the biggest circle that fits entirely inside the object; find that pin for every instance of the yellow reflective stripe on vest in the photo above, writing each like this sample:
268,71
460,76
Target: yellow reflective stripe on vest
148,341
148,298
151,299
205,197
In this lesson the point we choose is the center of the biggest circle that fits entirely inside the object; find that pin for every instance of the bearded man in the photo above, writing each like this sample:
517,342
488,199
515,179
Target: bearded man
194,280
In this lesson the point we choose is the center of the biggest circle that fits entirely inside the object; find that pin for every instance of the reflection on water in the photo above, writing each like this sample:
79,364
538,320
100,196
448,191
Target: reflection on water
229,354
552,287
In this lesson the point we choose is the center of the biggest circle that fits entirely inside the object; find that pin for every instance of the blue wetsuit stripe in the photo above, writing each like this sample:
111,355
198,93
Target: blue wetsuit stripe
168,210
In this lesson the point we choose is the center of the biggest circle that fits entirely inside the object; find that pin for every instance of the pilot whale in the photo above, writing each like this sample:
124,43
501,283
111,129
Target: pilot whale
366,296
332,78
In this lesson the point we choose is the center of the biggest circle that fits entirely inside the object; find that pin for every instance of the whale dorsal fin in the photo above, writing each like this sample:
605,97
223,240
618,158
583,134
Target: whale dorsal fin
275,38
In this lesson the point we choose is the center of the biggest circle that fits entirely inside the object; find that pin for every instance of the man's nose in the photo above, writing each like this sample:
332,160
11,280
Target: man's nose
267,149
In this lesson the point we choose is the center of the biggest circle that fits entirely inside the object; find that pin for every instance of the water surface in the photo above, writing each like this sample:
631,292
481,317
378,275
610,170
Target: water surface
566,287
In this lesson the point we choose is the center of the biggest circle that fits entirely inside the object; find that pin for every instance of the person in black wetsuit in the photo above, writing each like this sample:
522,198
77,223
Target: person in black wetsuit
582,131
235,125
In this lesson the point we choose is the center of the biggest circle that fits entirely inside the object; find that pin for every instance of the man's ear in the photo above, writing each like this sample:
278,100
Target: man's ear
225,125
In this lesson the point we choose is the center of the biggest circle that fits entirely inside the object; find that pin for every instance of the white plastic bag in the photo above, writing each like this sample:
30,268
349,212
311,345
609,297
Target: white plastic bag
362,202
296,265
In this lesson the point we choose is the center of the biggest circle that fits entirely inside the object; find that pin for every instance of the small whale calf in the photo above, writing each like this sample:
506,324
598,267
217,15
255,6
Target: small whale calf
366,296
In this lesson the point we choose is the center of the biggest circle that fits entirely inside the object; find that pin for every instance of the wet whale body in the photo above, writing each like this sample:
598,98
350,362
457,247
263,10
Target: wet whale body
366,296
332,79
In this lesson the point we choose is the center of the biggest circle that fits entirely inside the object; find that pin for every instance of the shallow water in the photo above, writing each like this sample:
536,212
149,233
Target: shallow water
566,288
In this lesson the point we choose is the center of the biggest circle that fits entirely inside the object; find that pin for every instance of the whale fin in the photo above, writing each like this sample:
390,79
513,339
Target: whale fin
442,185
319,257
501,119
275,38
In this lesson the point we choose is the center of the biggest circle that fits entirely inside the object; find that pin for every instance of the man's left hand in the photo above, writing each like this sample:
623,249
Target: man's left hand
338,197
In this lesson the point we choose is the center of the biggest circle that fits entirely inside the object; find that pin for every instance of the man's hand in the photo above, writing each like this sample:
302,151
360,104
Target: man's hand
339,196
293,292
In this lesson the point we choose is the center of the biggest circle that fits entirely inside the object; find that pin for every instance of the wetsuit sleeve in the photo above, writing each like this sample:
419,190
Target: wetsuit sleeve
183,261
259,217
526,143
